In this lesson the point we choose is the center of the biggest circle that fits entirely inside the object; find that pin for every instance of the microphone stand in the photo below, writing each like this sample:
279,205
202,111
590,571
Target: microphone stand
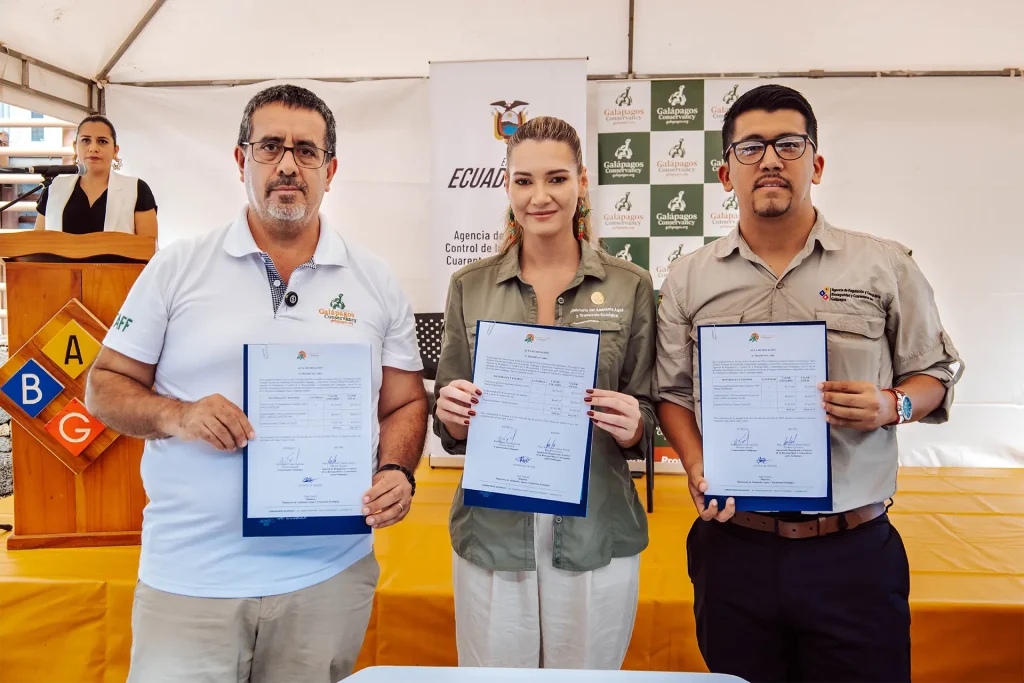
47,179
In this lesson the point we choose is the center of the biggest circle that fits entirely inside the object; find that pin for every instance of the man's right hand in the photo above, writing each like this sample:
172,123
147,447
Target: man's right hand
455,404
698,485
215,420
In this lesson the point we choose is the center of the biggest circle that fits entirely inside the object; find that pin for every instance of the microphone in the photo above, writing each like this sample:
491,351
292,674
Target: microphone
66,169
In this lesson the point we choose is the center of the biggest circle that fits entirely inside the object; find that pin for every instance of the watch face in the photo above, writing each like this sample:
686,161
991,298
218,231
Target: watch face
905,408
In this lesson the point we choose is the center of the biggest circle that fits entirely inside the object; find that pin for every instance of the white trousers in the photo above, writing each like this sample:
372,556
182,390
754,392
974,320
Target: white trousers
548,618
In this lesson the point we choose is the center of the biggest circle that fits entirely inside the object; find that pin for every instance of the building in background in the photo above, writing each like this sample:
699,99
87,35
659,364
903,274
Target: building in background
46,140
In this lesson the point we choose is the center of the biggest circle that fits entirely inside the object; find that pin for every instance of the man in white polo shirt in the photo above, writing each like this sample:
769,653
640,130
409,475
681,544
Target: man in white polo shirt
211,605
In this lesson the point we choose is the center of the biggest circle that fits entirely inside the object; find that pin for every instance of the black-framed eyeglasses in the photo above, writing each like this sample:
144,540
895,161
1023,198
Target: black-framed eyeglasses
307,156
787,147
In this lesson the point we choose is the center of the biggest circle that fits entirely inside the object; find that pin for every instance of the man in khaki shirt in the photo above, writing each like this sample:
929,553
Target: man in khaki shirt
820,595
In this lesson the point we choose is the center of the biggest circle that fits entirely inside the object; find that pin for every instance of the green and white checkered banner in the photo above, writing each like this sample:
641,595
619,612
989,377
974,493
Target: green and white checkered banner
659,149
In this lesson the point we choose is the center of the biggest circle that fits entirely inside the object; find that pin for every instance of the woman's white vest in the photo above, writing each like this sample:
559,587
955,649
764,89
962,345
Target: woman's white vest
122,193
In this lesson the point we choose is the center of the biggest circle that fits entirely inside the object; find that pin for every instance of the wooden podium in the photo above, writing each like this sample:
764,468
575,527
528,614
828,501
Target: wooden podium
63,292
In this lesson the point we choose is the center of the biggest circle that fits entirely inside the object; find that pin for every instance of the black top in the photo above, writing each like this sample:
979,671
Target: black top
80,218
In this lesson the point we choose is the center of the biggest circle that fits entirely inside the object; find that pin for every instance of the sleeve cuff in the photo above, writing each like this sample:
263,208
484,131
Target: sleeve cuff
641,449
408,363
942,374
449,443
936,363
683,400
131,350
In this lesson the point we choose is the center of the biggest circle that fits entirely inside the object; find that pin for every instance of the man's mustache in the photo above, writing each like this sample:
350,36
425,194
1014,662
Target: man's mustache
772,176
286,181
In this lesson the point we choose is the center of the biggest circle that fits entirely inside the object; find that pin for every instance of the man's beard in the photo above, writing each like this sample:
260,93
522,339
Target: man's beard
773,208
286,215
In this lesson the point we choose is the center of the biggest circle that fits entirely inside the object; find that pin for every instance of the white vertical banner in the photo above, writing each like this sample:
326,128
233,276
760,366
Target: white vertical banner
475,107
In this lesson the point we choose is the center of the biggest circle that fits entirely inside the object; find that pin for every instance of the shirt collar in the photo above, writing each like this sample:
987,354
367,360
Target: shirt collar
330,248
823,233
590,264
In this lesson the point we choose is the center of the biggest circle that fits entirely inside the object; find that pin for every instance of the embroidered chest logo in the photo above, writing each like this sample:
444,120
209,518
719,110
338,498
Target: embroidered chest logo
336,313
841,294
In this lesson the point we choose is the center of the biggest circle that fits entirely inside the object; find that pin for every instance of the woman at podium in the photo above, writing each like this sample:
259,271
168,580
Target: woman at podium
102,200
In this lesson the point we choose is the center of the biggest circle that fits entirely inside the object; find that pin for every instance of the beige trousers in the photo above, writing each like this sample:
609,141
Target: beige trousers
312,635
548,618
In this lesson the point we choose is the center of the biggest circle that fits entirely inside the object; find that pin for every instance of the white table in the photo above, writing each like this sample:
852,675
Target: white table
431,674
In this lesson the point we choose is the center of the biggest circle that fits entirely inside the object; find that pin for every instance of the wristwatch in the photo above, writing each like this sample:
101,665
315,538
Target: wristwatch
404,470
904,408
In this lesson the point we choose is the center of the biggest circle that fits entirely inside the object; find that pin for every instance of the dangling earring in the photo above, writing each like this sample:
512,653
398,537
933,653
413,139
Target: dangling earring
511,226
117,164
582,212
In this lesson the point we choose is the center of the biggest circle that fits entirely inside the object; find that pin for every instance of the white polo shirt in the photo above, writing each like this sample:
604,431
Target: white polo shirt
190,312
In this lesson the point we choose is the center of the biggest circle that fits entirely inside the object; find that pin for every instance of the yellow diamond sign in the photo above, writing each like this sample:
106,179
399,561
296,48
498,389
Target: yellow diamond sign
73,349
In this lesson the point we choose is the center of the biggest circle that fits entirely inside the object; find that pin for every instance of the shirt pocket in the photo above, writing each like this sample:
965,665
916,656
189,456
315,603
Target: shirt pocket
856,346
614,338
723,319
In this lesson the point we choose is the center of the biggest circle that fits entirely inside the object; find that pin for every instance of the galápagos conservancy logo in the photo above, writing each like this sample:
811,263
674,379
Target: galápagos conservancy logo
627,107
336,313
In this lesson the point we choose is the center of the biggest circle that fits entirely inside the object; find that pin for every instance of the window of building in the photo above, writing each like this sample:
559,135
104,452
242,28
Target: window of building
38,134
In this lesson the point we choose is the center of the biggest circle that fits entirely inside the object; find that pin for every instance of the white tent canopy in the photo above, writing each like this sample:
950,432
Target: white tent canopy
54,50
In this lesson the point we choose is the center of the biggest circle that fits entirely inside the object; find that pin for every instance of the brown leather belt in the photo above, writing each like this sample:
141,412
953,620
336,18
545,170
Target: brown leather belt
821,526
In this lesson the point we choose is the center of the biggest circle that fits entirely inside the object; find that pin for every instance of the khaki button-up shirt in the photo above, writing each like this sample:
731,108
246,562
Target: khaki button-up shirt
607,294
882,326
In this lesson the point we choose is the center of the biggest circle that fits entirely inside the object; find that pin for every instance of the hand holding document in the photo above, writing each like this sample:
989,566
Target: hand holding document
766,441
310,464
529,445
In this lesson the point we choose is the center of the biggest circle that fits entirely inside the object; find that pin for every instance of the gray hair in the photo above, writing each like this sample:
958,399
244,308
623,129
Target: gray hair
290,96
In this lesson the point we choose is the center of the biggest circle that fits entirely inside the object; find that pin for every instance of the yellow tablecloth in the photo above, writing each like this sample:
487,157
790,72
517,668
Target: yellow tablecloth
65,614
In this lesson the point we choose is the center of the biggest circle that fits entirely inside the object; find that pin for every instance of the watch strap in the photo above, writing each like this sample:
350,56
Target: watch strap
404,470
898,398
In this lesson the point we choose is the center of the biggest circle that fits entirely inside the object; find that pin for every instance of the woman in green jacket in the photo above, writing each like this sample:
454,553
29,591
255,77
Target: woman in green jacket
535,590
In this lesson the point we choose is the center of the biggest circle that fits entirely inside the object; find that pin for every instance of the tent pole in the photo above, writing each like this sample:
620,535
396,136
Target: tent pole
629,63
42,65
884,73
139,28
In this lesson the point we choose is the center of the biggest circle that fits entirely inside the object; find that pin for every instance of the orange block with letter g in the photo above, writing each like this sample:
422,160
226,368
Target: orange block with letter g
74,428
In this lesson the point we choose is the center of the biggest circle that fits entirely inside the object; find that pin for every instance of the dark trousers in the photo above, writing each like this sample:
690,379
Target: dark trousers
830,608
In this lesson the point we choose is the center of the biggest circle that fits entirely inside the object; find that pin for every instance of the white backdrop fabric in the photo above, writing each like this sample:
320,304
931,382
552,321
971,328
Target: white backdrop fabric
466,148
931,162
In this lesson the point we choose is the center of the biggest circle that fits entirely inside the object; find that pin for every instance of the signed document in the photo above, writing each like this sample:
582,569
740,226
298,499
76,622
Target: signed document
307,469
528,447
766,441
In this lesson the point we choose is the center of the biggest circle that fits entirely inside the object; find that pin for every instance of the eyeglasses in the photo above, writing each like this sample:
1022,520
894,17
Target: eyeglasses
788,147
306,156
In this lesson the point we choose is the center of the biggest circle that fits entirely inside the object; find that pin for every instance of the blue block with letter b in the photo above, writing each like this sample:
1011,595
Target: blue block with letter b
32,388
